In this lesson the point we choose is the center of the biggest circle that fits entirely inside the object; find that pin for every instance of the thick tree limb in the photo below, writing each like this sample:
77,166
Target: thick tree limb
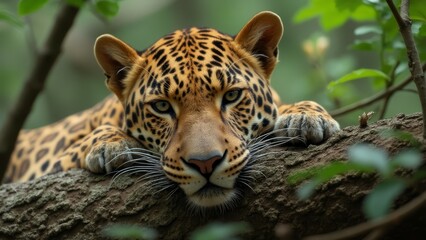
45,59
78,204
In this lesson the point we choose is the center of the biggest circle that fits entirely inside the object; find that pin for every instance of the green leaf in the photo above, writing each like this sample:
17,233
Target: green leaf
324,174
410,159
307,189
108,8
379,201
28,6
10,18
315,8
129,232
330,17
348,5
334,13
359,11
218,231
365,45
401,135
338,168
299,176
333,19
417,10
363,13
422,30
305,14
368,156
327,172
359,74
367,29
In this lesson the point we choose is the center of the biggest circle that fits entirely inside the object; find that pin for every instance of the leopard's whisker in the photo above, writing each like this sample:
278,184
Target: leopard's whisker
163,188
171,193
143,150
151,184
265,146
256,157
279,139
246,183
137,162
129,171
270,133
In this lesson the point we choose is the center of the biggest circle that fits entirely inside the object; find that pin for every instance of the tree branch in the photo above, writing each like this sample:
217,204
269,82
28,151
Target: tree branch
414,63
392,219
45,59
78,204
373,99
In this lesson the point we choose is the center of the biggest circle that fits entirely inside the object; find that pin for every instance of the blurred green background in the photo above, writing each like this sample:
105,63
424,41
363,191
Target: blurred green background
76,81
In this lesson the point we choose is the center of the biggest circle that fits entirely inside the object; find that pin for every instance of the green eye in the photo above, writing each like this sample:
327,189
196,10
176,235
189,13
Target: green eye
161,106
232,96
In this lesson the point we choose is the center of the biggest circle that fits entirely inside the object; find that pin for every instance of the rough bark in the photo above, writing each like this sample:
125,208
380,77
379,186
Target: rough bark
78,204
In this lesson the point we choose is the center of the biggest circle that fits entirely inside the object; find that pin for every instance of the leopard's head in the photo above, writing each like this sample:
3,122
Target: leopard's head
197,97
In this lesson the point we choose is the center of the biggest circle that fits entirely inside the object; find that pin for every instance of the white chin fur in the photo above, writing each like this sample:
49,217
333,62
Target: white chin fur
214,199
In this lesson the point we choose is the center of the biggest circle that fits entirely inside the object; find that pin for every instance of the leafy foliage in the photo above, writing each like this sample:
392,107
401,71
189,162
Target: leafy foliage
379,201
212,231
378,34
122,231
402,136
10,18
107,8
334,13
366,159
359,74
218,231
28,6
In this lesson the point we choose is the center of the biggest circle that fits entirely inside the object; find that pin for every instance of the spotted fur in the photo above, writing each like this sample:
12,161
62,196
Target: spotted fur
193,111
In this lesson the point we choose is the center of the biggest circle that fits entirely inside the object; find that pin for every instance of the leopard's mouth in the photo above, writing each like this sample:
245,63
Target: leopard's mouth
211,195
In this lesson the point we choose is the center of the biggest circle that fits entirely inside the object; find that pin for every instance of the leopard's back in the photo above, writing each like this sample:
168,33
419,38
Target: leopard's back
37,151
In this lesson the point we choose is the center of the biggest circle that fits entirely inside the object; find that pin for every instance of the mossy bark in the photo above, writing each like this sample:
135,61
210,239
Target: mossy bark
78,204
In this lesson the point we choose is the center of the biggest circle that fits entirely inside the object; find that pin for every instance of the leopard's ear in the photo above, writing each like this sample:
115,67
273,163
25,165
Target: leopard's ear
116,58
260,37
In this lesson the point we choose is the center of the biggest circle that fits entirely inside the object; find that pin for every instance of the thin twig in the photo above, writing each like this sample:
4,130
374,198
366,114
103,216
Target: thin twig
388,97
392,219
34,84
414,63
373,99
385,106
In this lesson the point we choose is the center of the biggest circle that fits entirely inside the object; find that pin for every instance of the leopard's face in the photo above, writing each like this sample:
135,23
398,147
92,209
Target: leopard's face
198,97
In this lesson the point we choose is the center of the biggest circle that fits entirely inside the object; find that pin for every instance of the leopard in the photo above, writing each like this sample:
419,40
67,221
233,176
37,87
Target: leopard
192,112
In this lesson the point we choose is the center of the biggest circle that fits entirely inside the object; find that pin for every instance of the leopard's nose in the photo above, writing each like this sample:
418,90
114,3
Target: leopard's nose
207,164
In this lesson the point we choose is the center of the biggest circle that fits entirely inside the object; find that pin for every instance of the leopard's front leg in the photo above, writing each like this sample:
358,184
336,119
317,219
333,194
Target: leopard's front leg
101,151
306,122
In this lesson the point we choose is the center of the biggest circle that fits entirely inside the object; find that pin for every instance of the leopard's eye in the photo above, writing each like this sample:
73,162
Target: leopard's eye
161,106
232,96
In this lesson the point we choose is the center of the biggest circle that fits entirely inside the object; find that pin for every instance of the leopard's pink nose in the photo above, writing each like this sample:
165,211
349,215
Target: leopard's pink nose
207,165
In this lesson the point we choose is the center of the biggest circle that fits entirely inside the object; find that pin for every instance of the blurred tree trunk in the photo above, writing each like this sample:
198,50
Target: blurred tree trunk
78,205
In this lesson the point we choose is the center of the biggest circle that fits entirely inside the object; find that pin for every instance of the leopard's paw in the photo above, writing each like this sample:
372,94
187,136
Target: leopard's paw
105,157
306,128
